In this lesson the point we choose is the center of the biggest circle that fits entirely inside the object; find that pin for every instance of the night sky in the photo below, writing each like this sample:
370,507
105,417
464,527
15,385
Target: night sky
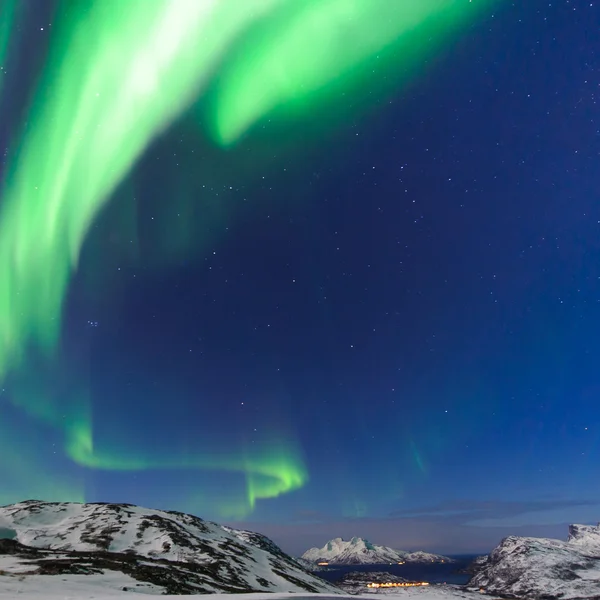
374,312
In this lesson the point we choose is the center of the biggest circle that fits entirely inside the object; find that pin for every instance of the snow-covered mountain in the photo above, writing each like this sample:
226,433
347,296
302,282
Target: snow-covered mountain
168,551
528,567
356,551
426,557
359,551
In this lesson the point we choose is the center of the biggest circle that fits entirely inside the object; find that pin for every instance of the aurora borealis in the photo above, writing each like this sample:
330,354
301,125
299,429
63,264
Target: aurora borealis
117,75
241,265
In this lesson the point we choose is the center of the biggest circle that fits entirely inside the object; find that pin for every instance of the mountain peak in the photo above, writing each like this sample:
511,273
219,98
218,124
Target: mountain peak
553,568
587,535
360,551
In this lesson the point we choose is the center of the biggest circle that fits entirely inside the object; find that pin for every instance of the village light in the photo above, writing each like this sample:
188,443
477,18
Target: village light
390,584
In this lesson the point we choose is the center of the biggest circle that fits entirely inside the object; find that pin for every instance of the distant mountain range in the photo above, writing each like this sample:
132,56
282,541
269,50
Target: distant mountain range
359,551
122,546
527,567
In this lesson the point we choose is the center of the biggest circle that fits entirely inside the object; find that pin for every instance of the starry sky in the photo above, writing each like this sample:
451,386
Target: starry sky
368,307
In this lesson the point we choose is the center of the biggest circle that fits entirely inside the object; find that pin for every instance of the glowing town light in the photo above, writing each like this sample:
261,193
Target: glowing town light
395,584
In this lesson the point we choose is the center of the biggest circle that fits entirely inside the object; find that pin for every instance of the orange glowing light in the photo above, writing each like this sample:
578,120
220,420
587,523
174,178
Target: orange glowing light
390,584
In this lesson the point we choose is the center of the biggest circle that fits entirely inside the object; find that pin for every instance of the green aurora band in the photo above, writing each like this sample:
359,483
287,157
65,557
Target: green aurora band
117,75
271,467
309,44
8,9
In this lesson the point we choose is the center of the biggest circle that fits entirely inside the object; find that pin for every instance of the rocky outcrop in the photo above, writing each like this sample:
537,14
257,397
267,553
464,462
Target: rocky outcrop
544,569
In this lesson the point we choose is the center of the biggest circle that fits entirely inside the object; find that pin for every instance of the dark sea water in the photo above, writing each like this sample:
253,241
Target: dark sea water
433,573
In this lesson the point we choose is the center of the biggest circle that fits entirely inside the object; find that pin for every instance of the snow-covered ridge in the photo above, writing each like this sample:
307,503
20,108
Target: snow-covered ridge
179,552
527,567
359,551
426,557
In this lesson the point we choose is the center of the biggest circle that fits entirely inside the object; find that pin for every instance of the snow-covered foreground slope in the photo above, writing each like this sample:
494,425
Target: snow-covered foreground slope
90,590
155,550
359,551
527,567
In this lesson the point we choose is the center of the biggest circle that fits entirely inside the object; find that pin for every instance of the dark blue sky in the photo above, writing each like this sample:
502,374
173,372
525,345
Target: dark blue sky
412,297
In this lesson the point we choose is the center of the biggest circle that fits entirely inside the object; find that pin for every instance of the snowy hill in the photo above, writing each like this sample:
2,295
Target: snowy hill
162,551
359,551
426,557
543,568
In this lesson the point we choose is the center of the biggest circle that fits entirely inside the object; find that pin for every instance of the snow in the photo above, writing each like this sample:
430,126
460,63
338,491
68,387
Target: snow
246,561
59,526
531,567
359,551
426,557
72,589
586,537
70,551
107,551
